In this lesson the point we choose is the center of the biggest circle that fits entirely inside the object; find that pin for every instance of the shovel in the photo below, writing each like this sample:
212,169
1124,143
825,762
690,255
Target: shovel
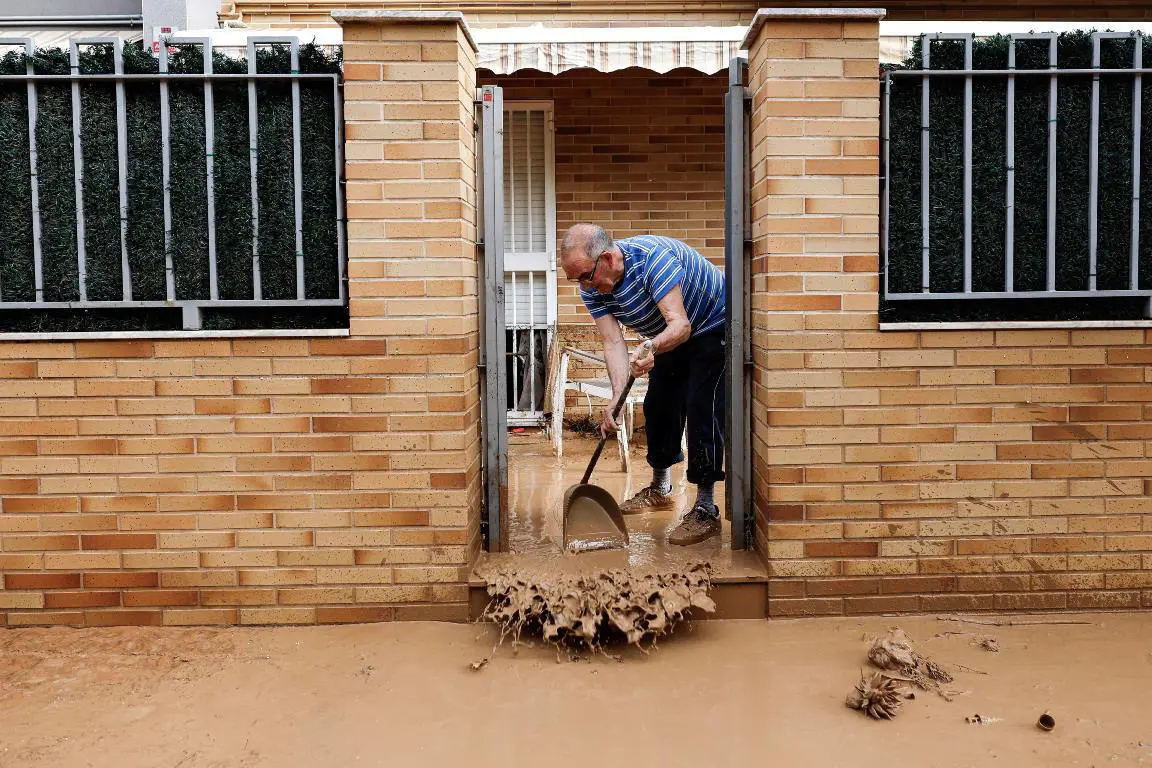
592,518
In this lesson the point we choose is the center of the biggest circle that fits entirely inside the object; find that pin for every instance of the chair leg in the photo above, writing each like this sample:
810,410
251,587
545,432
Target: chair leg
558,392
622,438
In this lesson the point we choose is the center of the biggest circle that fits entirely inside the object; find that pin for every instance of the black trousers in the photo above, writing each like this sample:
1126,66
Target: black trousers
686,386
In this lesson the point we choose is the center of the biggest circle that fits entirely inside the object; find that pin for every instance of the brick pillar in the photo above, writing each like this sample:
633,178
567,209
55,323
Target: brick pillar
815,202
410,168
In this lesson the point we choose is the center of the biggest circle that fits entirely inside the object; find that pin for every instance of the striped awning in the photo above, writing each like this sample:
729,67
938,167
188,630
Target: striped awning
708,57
607,49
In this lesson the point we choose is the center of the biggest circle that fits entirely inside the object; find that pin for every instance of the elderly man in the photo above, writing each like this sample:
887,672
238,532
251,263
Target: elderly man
667,292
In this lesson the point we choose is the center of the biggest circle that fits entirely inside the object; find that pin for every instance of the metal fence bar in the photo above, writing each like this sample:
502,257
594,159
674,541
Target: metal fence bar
338,140
968,40
197,76
29,46
1022,294
253,158
210,170
1137,130
297,170
1094,166
160,303
886,179
925,176
122,167
166,174
78,167
1005,72
1050,277
1010,166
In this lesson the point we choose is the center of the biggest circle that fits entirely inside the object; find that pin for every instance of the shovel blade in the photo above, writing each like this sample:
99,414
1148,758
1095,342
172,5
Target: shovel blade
592,520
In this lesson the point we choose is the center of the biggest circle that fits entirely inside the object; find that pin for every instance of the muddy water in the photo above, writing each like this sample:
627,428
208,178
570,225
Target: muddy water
590,528
725,694
536,484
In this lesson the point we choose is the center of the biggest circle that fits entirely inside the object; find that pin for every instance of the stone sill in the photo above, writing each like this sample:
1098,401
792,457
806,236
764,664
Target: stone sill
1004,325
116,335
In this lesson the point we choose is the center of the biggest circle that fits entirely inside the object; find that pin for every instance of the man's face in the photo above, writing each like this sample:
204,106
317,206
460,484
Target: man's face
591,272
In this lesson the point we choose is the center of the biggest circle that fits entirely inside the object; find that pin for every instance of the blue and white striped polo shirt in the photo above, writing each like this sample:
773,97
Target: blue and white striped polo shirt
653,266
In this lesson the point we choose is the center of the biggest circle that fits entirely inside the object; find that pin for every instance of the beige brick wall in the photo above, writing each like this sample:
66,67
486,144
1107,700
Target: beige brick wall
637,152
276,480
918,471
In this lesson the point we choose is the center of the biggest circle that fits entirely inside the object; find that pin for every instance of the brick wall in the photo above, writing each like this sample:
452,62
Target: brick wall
276,480
918,471
636,152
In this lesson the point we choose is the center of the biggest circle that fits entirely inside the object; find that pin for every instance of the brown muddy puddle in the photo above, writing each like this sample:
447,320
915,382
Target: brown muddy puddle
537,480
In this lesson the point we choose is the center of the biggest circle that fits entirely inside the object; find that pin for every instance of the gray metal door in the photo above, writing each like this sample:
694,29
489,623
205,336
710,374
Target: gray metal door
493,345
737,227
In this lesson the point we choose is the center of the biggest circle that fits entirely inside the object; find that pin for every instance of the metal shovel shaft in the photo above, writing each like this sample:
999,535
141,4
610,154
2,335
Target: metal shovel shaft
604,436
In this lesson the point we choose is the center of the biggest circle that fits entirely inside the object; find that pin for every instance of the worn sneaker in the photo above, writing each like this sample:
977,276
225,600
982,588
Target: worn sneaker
698,524
647,500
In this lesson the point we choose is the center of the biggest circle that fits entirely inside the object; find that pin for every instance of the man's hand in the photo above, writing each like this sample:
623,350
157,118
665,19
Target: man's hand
608,424
641,360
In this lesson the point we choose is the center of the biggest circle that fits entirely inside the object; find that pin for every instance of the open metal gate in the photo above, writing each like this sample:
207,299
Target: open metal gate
737,228
493,342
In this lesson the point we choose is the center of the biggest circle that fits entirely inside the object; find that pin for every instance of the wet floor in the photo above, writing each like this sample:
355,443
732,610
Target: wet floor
537,480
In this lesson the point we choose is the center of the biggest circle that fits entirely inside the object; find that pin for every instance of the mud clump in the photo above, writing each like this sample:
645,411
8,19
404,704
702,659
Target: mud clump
895,652
878,696
592,610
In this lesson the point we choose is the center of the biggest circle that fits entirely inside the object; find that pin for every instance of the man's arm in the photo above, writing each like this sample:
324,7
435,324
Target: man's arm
678,328
615,352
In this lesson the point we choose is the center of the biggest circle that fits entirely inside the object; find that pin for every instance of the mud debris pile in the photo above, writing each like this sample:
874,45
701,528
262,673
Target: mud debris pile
894,652
879,696
592,610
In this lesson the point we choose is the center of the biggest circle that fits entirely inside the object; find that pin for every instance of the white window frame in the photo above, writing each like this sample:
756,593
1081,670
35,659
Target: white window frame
535,262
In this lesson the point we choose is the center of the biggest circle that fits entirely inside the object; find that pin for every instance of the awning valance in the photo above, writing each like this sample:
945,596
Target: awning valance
607,49
707,57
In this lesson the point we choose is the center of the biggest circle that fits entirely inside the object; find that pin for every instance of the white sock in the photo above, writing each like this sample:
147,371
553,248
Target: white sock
704,496
662,480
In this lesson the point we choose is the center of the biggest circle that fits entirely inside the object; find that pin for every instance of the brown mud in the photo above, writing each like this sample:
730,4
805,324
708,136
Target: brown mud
720,693
537,481
594,610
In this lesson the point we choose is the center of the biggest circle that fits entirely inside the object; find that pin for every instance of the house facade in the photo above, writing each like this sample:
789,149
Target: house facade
290,478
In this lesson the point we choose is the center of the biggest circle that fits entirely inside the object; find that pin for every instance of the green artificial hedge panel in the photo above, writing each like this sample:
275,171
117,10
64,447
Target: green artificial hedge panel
989,182
188,183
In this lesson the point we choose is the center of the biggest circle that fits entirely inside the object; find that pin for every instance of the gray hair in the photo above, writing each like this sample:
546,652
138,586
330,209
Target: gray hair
591,238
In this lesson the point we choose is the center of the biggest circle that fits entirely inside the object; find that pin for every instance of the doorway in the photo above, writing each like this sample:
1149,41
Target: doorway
638,152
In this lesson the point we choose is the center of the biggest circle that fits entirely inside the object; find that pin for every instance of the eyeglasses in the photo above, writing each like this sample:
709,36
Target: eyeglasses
588,276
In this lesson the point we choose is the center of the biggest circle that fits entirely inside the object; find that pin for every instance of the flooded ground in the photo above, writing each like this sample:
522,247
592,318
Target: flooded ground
537,480
721,693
